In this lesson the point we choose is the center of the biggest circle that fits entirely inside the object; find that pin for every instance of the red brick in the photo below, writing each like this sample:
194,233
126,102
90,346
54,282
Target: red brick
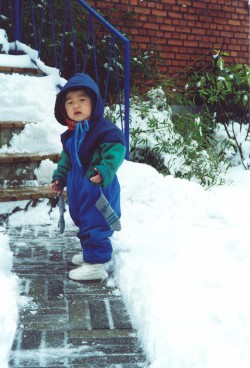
234,47
154,19
159,41
184,29
183,36
240,35
213,26
215,14
134,31
234,16
234,22
175,9
167,48
199,31
159,13
221,21
166,27
182,56
212,39
175,62
141,10
242,10
143,18
189,16
147,32
199,4
142,39
233,53
205,19
191,25
159,6
151,26
175,42
175,15
185,2
160,34
169,1
213,6
226,34
150,4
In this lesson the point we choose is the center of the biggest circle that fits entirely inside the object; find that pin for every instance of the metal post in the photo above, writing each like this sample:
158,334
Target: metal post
127,93
16,21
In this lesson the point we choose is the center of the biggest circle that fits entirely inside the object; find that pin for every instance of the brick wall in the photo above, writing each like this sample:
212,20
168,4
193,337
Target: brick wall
181,31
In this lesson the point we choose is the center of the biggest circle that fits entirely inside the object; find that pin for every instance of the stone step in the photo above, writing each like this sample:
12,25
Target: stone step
8,128
16,168
21,193
25,71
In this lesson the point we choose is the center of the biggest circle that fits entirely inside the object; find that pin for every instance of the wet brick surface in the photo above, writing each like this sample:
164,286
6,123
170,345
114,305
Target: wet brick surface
63,323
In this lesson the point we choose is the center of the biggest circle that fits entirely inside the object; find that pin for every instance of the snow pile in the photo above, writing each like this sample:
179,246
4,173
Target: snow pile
9,296
31,99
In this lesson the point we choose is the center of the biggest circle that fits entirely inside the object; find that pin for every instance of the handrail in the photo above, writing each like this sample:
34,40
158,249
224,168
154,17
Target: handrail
126,67
15,8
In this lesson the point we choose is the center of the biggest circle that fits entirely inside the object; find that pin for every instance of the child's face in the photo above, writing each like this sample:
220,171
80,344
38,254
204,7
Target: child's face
78,105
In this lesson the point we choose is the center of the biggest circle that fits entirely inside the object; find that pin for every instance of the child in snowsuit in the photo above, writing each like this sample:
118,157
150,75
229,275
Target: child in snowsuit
93,150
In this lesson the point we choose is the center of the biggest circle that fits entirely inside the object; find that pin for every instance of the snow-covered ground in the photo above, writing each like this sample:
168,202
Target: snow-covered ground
181,261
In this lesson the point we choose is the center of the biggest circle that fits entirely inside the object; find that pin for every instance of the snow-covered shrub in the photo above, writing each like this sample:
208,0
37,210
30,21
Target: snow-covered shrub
234,142
180,145
4,44
156,140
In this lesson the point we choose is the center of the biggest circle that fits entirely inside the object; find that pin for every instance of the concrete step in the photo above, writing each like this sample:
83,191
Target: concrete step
21,193
26,71
16,168
8,128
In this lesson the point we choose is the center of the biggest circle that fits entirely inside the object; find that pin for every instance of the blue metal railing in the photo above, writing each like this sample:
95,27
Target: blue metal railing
78,57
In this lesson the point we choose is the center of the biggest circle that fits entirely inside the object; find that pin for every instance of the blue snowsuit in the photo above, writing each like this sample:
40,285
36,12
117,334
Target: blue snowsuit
97,143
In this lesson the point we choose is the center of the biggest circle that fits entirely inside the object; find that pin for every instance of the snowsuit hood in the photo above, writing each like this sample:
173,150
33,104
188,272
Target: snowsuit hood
79,80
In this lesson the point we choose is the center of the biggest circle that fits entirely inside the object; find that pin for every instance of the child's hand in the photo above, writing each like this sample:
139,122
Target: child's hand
97,179
55,187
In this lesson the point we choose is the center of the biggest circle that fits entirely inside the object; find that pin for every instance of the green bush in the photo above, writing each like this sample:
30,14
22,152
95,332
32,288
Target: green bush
221,95
221,90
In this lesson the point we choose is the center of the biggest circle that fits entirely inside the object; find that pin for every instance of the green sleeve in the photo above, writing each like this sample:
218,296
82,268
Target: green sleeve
112,156
63,166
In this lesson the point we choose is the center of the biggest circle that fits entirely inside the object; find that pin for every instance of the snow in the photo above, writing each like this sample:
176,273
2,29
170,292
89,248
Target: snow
9,296
181,261
4,44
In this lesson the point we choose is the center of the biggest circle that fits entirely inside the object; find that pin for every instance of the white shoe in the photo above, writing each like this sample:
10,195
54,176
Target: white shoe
77,259
89,271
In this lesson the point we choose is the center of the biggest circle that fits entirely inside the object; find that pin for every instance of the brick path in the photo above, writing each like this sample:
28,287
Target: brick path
65,323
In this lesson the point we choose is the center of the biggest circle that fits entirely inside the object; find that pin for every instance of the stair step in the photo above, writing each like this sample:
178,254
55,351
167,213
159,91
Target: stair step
8,128
25,193
27,157
28,71
20,167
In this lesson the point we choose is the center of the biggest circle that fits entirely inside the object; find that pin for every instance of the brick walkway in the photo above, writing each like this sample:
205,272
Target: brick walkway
65,323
